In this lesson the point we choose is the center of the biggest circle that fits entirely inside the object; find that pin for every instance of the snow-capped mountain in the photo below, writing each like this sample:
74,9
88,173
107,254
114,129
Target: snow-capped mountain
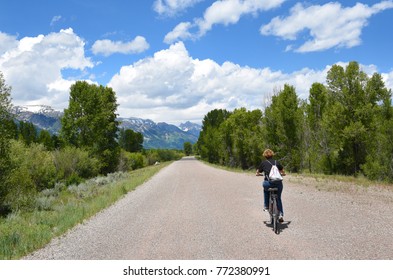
156,135
43,117
192,128
159,135
37,109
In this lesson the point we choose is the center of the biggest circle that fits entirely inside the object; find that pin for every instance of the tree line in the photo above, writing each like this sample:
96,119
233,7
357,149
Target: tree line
344,127
90,144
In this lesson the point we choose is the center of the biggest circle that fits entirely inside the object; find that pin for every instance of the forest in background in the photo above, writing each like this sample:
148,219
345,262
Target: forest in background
344,127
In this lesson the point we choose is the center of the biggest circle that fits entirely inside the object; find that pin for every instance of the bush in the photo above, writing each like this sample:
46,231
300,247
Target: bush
90,188
37,161
73,179
131,161
46,198
73,164
376,171
32,170
21,191
163,155
152,157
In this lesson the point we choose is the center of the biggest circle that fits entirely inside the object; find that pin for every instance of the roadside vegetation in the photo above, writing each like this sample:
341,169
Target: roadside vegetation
50,183
345,127
56,210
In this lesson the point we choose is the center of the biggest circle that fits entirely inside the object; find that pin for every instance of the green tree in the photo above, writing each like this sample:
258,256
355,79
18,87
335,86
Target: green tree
187,148
241,139
90,122
57,141
45,138
350,121
379,160
5,136
317,142
209,139
27,133
283,126
130,140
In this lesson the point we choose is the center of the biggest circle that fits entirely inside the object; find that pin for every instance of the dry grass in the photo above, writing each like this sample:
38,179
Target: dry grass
334,183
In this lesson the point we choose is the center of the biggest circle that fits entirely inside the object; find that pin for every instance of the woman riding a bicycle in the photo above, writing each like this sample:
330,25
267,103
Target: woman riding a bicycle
265,167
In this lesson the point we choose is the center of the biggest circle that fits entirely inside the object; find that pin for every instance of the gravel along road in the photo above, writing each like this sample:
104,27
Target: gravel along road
190,210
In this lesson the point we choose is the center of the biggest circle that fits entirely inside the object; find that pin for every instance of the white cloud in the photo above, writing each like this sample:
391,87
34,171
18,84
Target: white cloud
230,11
171,86
173,7
388,79
7,42
329,25
33,65
107,47
180,32
220,12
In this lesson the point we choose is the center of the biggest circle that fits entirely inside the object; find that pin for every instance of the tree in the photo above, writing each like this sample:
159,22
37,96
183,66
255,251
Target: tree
90,122
208,140
45,138
349,123
241,139
317,142
130,140
187,148
5,136
27,133
379,160
282,123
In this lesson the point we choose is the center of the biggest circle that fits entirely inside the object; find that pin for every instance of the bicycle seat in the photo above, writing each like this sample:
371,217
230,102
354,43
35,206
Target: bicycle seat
272,189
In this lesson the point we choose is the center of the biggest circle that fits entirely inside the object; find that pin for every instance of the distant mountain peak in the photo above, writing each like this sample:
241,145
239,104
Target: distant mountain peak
161,134
36,109
156,135
190,127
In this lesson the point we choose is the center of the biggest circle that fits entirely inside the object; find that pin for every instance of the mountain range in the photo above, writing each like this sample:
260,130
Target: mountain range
156,135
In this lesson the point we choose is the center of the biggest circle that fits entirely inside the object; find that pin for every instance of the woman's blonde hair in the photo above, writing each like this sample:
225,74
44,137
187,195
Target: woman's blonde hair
268,153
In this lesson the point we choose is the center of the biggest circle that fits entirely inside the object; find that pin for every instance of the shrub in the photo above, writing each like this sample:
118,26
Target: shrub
90,188
152,157
21,191
162,155
73,179
32,170
137,161
131,161
45,203
37,161
72,164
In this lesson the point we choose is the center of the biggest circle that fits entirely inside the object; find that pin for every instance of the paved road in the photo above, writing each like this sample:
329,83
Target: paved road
192,211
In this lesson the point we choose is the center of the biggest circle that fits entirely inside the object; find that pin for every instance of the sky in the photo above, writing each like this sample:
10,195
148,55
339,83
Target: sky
175,60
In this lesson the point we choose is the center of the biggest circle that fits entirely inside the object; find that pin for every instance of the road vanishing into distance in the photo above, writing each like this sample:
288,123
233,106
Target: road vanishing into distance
190,210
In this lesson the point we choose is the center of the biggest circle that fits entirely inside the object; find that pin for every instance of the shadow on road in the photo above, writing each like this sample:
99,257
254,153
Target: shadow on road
281,226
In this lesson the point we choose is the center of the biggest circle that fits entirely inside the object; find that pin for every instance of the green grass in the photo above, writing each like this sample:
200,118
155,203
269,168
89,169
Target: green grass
22,233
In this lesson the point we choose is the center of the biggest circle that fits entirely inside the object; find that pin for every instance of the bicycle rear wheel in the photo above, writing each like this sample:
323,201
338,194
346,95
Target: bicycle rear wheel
275,216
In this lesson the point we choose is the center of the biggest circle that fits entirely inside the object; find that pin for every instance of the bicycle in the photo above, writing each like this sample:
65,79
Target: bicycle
273,209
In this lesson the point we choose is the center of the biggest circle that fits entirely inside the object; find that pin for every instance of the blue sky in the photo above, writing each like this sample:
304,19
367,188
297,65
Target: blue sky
175,60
